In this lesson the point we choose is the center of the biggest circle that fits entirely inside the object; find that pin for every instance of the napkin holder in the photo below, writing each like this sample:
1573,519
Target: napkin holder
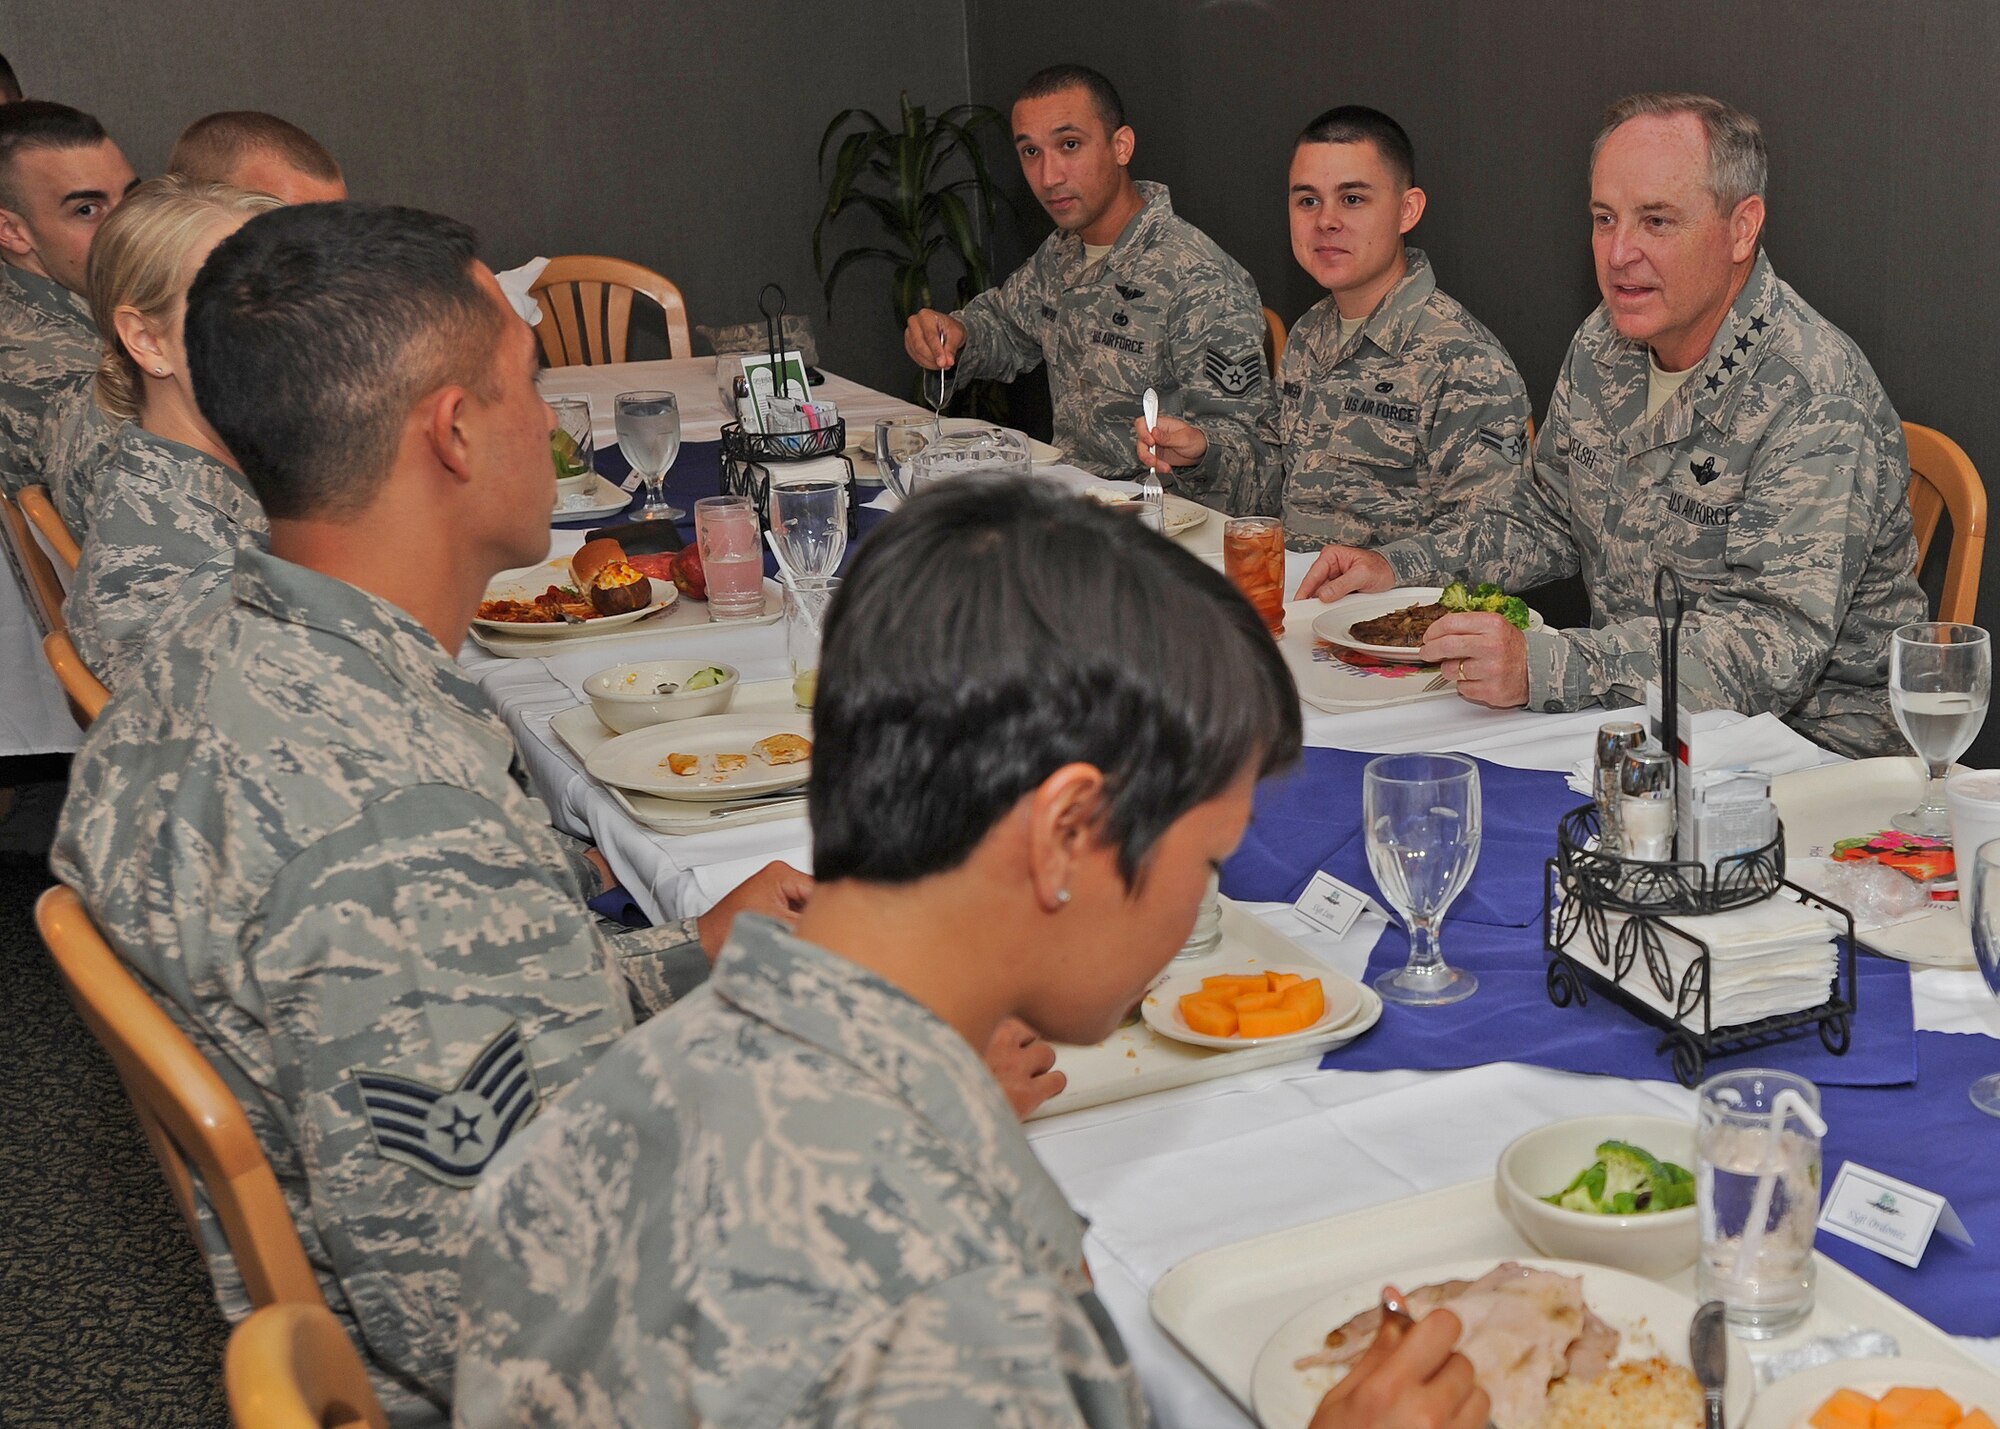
748,459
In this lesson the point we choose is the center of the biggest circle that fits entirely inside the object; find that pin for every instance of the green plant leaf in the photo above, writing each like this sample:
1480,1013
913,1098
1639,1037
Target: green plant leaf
874,126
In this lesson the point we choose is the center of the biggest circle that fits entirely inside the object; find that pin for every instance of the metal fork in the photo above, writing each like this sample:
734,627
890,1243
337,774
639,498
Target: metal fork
1438,682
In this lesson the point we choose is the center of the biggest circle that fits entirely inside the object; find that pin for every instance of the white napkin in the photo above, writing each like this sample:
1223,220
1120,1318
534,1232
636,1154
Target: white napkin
1769,958
1763,742
515,283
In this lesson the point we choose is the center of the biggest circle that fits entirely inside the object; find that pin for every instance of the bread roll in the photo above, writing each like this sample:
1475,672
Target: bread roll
592,557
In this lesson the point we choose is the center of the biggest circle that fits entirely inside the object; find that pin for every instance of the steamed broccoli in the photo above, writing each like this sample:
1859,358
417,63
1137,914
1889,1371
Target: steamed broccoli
1626,1180
1455,597
1485,596
1515,610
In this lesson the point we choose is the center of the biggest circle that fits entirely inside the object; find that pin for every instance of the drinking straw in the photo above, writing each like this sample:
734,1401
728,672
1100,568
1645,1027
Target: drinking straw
784,566
1787,1101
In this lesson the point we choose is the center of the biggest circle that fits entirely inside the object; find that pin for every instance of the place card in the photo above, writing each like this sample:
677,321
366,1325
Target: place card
1331,904
1888,1216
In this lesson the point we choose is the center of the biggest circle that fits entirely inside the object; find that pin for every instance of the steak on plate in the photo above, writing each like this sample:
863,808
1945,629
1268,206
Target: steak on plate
1403,627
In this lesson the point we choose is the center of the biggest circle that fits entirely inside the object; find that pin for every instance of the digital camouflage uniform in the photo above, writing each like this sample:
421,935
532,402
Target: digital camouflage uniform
48,347
298,825
1165,309
800,1199
1379,436
1775,482
83,440
160,542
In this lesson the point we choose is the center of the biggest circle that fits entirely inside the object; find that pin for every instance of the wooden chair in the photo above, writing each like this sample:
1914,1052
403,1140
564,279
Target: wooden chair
87,695
195,1125
43,516
38,573
586,306
1943,479
1274,339
293,1367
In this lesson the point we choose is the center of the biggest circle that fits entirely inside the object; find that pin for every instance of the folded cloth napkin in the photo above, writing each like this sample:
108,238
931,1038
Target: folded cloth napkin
1763,742
515,283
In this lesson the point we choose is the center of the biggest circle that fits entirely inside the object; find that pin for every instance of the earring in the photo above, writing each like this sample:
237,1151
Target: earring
159,372
1062,896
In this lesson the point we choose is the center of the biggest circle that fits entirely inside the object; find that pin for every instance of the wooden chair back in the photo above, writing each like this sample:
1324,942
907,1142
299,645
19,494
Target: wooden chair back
1943,479
586,304
293,1367
1274,339
43,516
87,695
38,573
195,1125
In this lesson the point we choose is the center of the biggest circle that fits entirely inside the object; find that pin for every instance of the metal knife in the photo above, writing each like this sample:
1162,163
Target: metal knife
1708,1347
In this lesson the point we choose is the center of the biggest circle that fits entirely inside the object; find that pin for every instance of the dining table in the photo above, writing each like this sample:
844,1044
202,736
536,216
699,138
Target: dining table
1164,1176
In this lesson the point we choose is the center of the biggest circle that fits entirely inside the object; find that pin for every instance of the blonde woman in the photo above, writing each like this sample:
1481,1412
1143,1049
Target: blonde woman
166,516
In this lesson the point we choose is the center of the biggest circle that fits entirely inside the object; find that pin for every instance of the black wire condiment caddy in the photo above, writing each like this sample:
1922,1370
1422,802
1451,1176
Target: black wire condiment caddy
748,457
1604,916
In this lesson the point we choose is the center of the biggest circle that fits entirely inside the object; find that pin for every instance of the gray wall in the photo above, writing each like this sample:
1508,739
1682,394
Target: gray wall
677,135
1884,146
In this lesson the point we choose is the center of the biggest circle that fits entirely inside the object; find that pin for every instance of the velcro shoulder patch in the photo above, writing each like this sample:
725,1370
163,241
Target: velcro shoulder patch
451,1133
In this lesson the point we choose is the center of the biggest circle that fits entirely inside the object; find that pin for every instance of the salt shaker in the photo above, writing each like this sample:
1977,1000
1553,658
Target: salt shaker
1646,805
1615,739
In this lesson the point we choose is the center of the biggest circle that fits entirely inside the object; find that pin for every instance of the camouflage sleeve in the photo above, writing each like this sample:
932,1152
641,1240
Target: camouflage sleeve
1215,352
82,438
1767,600
426,981
1515,530
993,1346
1003,327
1478,435
660,965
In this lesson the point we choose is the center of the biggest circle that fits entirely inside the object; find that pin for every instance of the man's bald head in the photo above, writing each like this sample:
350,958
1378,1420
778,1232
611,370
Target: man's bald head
247,149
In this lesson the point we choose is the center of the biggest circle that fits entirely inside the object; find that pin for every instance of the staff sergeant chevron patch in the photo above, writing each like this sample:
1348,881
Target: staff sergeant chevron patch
1234,375
450,1133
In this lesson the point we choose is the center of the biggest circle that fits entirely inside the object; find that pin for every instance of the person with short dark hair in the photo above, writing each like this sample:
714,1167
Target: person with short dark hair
1123,296
248,149
10,87
800,1200
60,177
298,820
1395,404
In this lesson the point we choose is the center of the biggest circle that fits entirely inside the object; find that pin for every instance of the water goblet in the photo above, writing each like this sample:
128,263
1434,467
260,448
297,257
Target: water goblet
1422,819
809,519
649,433
1939,677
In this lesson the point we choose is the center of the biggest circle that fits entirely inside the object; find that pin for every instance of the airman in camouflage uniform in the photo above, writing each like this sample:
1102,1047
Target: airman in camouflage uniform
160,540
800,1200
83,440
1775,482
298,824
49,347
1419,409
1165,309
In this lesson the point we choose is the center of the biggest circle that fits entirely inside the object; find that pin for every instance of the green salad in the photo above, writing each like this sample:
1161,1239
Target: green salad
706,679
1486,596
569,460
1626,1180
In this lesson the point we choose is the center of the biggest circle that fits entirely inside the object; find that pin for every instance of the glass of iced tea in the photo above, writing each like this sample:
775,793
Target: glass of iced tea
1253,556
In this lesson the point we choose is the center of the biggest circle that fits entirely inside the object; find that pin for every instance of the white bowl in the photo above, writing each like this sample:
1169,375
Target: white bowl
626,697
1547,1159
571,487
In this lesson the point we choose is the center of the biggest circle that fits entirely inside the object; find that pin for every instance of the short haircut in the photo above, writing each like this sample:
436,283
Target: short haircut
1049,631
313,330
1057,78
1357,123
10,87
40,124
1738,165
139,259
210,148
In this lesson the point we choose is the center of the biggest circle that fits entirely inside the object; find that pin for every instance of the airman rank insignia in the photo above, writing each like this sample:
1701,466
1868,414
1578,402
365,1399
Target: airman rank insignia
1513,447
1130,295
1234,375
1048,312
450,1134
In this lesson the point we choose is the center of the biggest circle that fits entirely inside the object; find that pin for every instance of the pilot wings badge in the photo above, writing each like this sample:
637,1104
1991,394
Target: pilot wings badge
450,1133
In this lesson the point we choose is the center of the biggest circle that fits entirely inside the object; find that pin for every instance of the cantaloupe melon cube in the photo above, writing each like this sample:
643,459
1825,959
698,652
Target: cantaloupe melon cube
1975,1420
1208,1016
1847,1409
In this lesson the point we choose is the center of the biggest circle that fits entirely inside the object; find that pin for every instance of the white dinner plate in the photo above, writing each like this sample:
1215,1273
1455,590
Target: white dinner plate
504,588
607,498
1338,619
638,760
1650,1320
1162,1007
1789,1403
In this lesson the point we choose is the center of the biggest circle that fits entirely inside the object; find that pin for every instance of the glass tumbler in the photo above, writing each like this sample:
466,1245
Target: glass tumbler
1758,1190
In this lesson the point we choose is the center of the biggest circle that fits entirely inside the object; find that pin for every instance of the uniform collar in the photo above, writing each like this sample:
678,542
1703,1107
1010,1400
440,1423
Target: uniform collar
49,296
1395,318
809,993
1138,236
299,595
211,482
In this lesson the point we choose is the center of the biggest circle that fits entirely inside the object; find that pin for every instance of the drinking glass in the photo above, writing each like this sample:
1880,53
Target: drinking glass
732,556
1980,881
1422,813
988,451
649,433
897,440
1760,1268
1939,677
1253,557
806,601
573,450
809,518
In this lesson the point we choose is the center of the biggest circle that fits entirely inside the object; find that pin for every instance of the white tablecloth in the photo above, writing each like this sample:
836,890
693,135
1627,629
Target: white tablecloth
692,381
1166,1176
